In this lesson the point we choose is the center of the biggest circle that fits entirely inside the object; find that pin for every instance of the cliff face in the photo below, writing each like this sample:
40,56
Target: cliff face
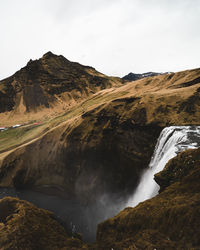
82,162
168,221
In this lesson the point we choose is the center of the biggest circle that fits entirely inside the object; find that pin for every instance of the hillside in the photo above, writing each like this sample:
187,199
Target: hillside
24,226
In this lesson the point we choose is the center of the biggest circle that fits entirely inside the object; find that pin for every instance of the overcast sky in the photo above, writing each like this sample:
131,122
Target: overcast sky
114,36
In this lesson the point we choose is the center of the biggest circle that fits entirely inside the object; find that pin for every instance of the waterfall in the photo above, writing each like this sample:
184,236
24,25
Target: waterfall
172,140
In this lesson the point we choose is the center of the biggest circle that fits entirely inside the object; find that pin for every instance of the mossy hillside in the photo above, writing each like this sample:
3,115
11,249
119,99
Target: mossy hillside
24,226
177,168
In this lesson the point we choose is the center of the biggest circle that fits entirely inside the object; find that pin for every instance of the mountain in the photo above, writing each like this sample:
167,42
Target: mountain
48,87
133,77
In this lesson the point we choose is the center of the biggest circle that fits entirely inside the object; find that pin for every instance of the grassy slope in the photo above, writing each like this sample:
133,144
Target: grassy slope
24,226
12,138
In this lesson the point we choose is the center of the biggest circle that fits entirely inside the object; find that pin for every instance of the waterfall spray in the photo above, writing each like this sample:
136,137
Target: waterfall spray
171,141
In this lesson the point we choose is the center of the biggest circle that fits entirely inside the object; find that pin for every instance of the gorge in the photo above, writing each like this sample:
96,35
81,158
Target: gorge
82,218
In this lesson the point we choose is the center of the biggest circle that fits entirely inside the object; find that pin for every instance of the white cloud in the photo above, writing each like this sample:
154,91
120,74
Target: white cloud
114,36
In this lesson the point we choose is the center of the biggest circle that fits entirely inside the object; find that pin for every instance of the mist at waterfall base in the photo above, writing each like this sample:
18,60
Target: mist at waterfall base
172,140
77,217
73,215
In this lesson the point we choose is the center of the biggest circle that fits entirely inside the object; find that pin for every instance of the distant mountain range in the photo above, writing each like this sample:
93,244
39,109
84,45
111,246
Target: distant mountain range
133,77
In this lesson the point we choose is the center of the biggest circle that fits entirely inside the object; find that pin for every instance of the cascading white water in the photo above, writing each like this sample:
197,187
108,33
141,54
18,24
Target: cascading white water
172,140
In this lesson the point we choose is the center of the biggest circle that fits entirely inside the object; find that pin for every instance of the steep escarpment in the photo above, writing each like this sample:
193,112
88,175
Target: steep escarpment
168,221
24,226
83,160
49,86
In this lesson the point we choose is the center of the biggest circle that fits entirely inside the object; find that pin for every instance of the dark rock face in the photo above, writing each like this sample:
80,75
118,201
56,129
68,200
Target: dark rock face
7,97
133,77
114,163
169,220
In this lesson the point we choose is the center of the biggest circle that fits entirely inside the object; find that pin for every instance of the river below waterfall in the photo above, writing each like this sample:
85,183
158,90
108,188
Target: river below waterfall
172,140
85,218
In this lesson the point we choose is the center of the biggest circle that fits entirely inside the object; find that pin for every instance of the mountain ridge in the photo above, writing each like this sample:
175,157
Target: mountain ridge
136,76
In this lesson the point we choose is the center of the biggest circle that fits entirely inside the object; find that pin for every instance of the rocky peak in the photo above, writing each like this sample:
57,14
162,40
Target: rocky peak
133,76
48,54
47,57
